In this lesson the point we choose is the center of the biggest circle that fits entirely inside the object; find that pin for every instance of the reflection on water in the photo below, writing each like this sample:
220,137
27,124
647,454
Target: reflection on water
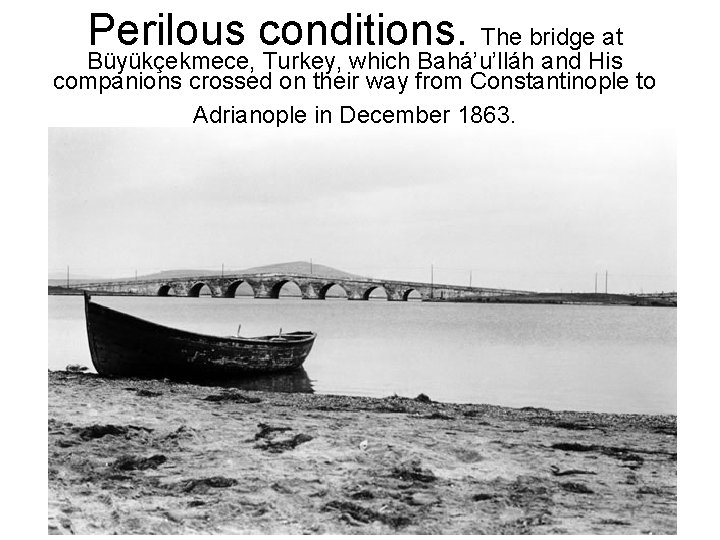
598,358
295,381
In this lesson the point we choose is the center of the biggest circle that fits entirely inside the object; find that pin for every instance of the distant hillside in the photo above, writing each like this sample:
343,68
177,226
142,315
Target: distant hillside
301,267
296,267
157,275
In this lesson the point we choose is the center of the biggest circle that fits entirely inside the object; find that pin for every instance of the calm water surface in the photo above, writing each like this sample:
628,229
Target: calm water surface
599,358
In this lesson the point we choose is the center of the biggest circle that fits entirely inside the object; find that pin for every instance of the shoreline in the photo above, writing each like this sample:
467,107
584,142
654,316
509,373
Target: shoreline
143,456
577,299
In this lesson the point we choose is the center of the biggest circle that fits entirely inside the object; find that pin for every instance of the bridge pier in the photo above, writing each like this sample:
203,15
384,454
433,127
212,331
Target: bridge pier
394,294
309,292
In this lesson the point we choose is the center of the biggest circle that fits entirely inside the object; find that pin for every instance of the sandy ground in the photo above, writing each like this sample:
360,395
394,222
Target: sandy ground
131,456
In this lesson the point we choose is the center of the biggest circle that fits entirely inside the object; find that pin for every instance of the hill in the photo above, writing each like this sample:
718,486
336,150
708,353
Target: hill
301,267
296,267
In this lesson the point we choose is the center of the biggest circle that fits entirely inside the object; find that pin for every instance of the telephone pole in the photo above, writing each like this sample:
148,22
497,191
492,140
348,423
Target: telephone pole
67,278
222,270
311,268
432,281
606,276
471,278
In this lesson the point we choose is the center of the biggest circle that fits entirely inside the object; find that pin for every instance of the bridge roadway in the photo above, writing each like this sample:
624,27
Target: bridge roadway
269,285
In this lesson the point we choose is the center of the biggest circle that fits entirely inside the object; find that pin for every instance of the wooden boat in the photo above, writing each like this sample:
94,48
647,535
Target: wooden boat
125,346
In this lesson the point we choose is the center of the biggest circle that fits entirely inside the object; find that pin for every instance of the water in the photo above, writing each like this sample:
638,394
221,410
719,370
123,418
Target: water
598,358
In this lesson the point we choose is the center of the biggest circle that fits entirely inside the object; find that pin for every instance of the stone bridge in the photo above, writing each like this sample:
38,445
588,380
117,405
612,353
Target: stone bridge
268,286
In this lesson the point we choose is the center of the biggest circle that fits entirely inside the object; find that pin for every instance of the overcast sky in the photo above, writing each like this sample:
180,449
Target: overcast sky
518,209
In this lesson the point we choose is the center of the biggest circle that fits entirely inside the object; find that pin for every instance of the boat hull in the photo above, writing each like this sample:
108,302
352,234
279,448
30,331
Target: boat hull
125,346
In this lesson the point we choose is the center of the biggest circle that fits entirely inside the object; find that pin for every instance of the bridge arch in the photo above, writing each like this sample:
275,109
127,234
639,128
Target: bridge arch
195,289
324,290
368,292
164,290
408,295
233,287
277,286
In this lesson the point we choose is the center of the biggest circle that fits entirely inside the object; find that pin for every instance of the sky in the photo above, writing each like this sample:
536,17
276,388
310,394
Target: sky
509,208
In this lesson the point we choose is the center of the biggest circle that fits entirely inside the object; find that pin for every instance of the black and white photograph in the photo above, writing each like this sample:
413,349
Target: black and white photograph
358,335
411,314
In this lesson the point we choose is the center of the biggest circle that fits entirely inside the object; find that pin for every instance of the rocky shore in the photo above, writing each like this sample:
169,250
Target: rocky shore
133,456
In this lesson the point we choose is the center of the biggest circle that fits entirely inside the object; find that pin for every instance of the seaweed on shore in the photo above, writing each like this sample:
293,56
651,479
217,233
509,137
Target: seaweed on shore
362,494
282,445
411,470
437,416
275,446
392,409
66,443
97,431
625,454
576,447
557,472
355,513
235,397
202,485
530,494
574,426
612,521
137,463
267,429
576,487
147,393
